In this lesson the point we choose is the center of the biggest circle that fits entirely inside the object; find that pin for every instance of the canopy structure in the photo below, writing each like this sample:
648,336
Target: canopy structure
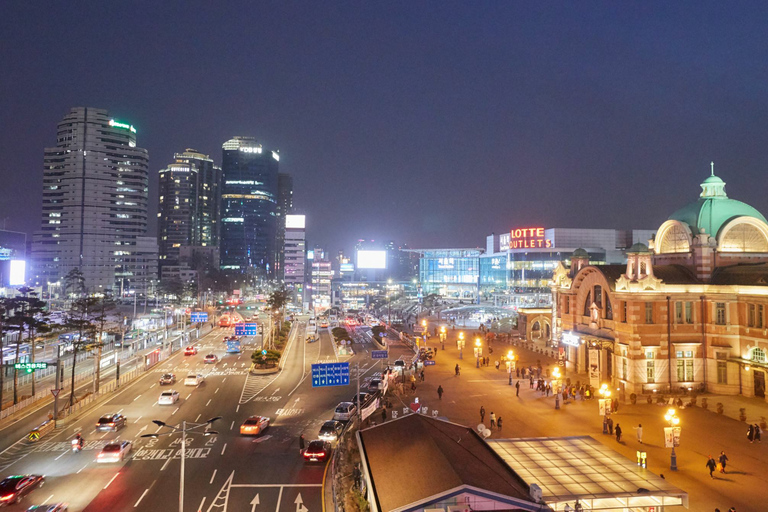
580,468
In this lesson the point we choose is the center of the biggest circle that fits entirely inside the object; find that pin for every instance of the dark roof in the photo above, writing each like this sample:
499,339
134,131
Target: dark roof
745,274
415,457
611,272
675,274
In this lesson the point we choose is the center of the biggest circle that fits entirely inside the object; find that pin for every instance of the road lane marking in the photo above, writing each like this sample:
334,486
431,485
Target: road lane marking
111,480
231,427
212,477
60,456
158,429
47,499
225,447
153,385
174,412
224,380
217,390
238,408
137,398
137,419
207,403
198,416
142,497
82,468
121,410
201,504
166,463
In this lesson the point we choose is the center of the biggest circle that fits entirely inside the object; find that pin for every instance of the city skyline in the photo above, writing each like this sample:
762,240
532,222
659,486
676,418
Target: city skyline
426,108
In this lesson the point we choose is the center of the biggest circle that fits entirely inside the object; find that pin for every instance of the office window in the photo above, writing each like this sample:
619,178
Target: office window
684,365
758,355
624,369
689,312
722,372
678,312
649,312
566,305
608,308
720,313
624,311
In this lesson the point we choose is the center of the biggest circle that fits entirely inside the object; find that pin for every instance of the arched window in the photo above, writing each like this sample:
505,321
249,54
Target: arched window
758,355
675,240
744,238
598,296
587,303
608,308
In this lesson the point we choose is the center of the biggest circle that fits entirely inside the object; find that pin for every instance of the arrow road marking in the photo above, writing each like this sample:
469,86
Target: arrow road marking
254,502
300,504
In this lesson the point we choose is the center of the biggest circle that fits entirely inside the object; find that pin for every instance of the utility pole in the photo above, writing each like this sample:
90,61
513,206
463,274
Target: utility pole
357,397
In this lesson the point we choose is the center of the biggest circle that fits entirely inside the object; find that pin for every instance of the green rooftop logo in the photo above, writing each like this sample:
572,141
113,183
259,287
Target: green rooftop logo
125,126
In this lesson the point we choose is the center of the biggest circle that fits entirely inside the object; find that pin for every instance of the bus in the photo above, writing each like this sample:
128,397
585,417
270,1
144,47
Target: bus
225,321
233,345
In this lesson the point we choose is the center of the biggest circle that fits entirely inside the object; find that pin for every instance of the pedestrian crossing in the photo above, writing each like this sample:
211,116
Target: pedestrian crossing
254,384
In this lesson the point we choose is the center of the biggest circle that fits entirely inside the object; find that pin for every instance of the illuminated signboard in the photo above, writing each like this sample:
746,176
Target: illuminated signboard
17,272
570,339
125,126
295,221
371,259
528,238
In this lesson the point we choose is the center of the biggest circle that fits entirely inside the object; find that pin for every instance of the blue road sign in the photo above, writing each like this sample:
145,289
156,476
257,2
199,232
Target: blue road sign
330,374
246,329
429,362
264,352
379,354
198,316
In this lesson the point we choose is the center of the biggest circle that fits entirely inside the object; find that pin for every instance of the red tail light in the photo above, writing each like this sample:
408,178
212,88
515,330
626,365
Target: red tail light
6,497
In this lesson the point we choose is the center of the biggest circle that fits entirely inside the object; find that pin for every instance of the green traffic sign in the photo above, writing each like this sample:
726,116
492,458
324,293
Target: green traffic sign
30,367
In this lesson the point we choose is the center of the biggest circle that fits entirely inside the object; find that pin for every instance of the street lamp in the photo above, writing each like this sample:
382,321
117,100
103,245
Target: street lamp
672,436
604,404
460,344
442,337
478,351
184,431
510,365
424,331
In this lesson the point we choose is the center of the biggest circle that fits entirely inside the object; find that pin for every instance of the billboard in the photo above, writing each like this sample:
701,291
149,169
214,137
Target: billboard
295,221
347,267
17,271
371,259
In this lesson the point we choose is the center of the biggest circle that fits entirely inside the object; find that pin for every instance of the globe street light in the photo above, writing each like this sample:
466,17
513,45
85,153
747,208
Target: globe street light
460,344
556,386
672,436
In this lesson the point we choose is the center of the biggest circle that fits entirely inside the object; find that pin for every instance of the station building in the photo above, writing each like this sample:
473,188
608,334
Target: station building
685,312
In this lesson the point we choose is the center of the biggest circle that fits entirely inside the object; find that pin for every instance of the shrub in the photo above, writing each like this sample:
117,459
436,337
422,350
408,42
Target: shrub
267,360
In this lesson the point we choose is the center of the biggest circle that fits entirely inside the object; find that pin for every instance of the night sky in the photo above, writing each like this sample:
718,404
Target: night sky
430,123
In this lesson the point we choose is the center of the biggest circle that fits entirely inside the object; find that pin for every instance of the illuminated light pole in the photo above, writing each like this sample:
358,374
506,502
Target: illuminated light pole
478,351
424,331
460,344
605,404
184,430
556,386
672,436
510,365
442,337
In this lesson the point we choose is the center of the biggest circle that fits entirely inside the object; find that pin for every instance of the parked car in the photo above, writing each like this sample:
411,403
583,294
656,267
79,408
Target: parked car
365,398
14,488
331,430
374,385
344,411
167,378
168,397
111,422
254,426
193,379
317,451
115,452
211,359
190,351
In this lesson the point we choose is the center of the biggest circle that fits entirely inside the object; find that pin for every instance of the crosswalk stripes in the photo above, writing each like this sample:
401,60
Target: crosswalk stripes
222,498
254,384
21,449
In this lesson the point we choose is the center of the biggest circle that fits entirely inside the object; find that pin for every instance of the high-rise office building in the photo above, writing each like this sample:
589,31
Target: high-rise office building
95,183
295,252
248,207
284,207
188,205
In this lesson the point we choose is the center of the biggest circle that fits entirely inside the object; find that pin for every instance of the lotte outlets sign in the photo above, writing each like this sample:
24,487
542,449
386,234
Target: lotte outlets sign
528,238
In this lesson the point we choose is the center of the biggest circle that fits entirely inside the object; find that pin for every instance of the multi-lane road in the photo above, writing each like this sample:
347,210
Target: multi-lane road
224,472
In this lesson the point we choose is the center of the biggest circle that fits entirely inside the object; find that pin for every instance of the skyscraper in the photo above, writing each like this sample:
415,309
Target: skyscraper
284,207
295,253
248,207
95,183
188,205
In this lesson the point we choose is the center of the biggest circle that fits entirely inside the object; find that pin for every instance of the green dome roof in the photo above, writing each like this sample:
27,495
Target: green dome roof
638,248
713,209
580,253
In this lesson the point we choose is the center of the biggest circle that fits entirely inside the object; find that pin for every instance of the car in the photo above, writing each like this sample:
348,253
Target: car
111,422
168,397
344,411
317,451
374,386
14,488
51,507
254,426
193,379
331,430
114,452
211,359
364,398
190,351
167,378
323,325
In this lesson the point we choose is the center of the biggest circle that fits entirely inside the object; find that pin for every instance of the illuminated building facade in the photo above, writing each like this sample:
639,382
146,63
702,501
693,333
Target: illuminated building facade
688,311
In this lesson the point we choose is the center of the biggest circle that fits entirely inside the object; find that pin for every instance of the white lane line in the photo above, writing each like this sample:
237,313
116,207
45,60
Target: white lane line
60,456
121,410
104,435
137,419
225,447
208,402
201,504
153,385
231,427
166,464
175,411
198,416
217,390
189,395
142,497
238,409
112,480
212,477
158,429
47,499
223,380
82,468
137,398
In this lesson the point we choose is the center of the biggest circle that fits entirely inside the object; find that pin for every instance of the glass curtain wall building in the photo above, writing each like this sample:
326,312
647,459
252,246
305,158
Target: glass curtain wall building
452,273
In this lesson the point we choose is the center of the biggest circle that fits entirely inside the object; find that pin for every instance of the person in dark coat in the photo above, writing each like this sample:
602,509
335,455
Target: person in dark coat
751,433
758,432
440,392
711,465
383,415
482,414
517,389
723,459
301,443
618,432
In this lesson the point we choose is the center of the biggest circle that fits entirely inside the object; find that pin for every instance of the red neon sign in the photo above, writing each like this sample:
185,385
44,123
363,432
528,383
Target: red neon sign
528,238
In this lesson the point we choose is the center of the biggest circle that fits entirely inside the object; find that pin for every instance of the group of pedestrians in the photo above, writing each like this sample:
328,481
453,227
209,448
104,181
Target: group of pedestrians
718,465
495,422
754,433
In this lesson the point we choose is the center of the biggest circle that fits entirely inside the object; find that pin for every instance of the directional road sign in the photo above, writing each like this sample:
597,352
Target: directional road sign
198,316
30,367
379,354
250,329
330,374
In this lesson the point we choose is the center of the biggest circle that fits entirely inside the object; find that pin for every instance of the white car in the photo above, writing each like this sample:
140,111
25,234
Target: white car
193,379
168,397
115,452
344,411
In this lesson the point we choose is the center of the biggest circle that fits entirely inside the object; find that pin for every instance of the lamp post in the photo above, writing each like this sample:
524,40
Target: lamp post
510,365
556,386
442,337
478,351
672,436
460,344
184,430
605,403
424,331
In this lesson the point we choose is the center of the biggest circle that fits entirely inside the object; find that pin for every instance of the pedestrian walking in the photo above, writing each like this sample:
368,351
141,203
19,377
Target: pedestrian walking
610,426
440,392
482,414
618,432
711,464
758,432
458,370
422,375
383,415
530,379
497,365
751,433
639,429
301,443
723,459
493,420
517,389
498,422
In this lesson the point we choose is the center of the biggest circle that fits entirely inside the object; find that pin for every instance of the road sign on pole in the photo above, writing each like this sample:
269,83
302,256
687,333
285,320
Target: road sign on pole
55,392
429,362
30,367
249,329
198,316
330,374
379,354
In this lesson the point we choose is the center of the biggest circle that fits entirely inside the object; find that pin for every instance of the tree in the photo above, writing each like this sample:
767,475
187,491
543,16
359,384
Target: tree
265,360
173,287
376,331
278,299
340,333
79,319
74,283
30,314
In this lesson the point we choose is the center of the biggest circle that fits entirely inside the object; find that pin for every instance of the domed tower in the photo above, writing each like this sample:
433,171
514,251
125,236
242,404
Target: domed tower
639,264
712,231
579,260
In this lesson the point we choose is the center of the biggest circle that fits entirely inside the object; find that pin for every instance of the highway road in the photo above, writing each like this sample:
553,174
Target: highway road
225,472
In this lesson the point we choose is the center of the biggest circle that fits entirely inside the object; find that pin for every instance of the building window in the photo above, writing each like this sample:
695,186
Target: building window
722,372
650,372
689,312
566,305
720,313
751,310
608,308
598,296
649,312
758,355
678,312
587,303
684,366
759,316
624,311
624,370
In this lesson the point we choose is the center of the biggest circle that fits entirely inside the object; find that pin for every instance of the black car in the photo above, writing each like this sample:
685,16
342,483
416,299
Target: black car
331,430
111,422
365,398
14,488
317,451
